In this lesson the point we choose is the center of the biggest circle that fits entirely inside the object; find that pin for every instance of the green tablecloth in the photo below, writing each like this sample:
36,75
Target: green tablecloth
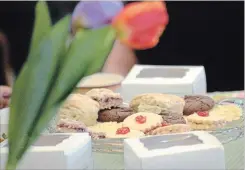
234,154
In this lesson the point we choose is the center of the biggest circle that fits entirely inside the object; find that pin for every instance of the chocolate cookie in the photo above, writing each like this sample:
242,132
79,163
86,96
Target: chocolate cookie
115,115
174,120
195,103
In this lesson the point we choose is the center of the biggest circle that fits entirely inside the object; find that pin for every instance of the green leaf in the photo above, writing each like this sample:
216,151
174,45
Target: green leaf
42,24
87,46
32,88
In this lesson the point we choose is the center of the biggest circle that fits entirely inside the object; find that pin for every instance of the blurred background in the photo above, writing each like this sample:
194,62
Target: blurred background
199,33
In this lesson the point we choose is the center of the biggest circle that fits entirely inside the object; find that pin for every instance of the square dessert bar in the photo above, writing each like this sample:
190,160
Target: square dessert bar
56,151
178,80
192,151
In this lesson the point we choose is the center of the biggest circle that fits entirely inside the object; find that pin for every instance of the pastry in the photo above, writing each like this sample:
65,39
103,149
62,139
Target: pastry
71,126
115,114
177,128
163,104
105,127
205,121
143,121
80,108
106,98
97,135
125,132
174,119
195,103
230,112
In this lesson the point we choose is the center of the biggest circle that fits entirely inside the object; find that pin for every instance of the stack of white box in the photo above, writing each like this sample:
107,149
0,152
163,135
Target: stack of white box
56,151
190,151
179,80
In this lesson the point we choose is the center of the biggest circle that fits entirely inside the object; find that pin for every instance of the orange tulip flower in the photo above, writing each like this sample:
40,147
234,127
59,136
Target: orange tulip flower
140,24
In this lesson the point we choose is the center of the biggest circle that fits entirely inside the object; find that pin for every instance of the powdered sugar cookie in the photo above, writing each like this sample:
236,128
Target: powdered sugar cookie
205,121
125,132
143,121
176,128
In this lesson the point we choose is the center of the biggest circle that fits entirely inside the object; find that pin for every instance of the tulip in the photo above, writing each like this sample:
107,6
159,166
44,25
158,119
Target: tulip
140,24
94,14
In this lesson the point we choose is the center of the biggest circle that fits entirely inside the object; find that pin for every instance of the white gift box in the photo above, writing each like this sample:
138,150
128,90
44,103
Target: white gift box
192,151
4,118
56,151
179,80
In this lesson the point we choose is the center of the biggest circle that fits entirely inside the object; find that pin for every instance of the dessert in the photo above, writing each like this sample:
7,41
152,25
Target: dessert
80,108
174,119
106,98
230,112
105,127
205,121
195,103
143,121
176,128
71,126
115,114
125,132
163,104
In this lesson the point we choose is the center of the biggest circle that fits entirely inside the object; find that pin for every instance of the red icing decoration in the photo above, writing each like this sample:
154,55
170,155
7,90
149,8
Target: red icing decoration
164,124
203,113
140,119
123,131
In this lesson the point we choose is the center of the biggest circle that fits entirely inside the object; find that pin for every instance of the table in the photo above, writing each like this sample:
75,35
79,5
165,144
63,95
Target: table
234,155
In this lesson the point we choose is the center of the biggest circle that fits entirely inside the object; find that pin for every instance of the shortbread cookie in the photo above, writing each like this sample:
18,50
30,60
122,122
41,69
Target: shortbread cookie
195,103
163,104
143,121
115,114
105,127
125,132
230,112
177,128
80,108
205,121
106,98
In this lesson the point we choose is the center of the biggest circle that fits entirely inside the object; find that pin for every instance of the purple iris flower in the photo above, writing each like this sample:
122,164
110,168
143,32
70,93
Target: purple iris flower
94,14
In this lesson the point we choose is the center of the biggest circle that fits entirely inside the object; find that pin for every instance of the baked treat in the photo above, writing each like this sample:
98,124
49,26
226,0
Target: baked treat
196,103
71,126
163,104
80,108
143,121
205,121
106,98
125,132
105,127
115,115
230,112
177,128
174,119
97,135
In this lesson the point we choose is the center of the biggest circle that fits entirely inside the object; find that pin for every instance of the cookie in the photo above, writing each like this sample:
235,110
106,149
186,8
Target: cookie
174,119
177,128
230,112
105,127
143,121
205,121
125,132
80,108
71,126
106,98
162,104
196,103
114,115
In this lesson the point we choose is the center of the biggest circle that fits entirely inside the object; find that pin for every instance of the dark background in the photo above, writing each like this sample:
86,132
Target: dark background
199,33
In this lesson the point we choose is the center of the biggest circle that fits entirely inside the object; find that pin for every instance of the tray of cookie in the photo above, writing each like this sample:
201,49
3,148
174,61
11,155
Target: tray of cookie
102,113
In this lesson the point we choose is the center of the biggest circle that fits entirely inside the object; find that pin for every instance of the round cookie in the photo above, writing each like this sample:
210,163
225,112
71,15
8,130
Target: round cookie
125,132
163,104
143,121
205,121
106,98
80,108
173,119
177,128
115,115
71,126
105,127
195,103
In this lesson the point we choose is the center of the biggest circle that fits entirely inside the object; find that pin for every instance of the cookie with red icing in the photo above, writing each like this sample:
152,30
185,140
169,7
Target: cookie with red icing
125,132
143,121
